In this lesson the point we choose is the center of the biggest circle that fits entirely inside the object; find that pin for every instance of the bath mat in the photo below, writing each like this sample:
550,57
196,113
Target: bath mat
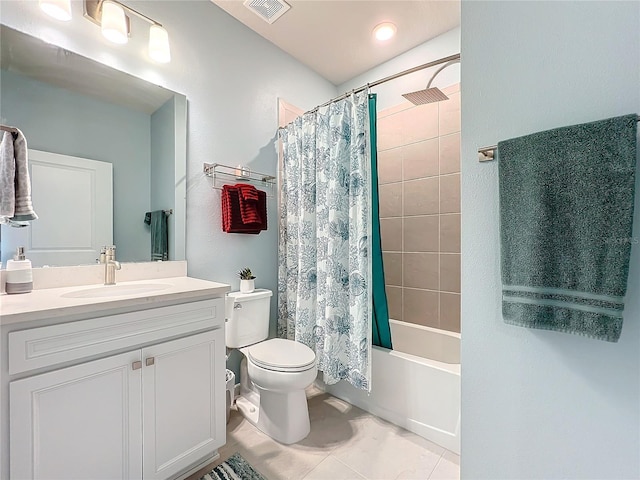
233,468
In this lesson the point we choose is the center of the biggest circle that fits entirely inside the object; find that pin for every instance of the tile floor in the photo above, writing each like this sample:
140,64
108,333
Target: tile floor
345,443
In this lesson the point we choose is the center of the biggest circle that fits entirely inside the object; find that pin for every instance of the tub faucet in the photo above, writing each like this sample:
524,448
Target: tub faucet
110,265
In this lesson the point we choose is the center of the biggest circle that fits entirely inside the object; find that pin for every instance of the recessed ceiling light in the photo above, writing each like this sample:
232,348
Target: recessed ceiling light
384,31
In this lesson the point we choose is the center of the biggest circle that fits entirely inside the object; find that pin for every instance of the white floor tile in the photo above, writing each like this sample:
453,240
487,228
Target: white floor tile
345,443
448,467
333,469
384,451
283,462
271,458
334,423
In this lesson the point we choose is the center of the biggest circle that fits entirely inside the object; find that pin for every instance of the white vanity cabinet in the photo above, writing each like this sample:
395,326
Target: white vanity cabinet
78,422
153,411
183,412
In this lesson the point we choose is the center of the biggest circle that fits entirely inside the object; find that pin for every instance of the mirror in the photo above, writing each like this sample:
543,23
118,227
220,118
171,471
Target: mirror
69,105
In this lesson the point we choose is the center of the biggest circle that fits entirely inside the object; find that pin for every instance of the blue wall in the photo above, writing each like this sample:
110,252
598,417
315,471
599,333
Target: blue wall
163,150
540,404
60,121
232,78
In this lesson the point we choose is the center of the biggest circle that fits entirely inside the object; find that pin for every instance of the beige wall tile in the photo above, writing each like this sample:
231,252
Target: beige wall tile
389,132
421,196
420,270
450,233
419,150
450,114
392,268
395,109
394,301
391,233
421,307
419,123
420,159
390,166
421,234
450,312
450,153
451,89
450,193
449,272
390,200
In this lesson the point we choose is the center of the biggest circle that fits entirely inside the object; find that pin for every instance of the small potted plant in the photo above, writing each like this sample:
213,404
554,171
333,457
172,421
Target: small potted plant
247,278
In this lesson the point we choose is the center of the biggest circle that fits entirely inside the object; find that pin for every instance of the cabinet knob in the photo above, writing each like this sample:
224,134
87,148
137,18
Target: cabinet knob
150,361
136,365
237,306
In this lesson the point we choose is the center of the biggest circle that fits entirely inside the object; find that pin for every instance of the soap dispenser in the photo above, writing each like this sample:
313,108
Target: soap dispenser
19,274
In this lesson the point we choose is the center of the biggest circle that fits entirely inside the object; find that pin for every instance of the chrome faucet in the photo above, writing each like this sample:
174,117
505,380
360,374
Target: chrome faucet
110,265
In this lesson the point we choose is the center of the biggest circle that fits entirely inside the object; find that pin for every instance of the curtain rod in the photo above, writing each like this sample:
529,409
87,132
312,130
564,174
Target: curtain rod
389,78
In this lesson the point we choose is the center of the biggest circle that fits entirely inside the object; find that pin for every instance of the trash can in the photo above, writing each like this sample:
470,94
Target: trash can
231,386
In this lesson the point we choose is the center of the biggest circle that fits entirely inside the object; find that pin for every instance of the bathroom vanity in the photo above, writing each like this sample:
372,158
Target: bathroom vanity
121,381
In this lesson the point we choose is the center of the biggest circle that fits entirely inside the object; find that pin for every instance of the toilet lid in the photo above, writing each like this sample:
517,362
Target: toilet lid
281,354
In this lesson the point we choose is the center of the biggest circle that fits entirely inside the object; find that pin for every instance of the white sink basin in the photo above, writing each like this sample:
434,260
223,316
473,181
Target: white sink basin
117,290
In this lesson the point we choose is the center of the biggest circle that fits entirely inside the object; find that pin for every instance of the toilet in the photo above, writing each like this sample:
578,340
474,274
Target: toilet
274,373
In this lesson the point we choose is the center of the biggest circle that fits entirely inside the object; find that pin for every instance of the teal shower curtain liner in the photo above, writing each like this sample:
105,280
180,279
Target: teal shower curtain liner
381,330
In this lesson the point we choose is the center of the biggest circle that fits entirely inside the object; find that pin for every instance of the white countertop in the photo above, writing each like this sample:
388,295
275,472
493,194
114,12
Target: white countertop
50,303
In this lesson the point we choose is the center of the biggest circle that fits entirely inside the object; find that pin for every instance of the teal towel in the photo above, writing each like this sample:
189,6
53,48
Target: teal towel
158,220
566,217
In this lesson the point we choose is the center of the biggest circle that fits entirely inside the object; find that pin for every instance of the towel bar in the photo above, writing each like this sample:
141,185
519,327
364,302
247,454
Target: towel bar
227,174
487,154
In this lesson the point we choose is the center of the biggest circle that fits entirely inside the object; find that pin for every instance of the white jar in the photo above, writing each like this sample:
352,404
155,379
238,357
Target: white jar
247,286
19,274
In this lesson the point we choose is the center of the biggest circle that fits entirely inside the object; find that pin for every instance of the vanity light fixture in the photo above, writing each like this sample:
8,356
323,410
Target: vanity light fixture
58,9
384,31
159,44
112,17
114,23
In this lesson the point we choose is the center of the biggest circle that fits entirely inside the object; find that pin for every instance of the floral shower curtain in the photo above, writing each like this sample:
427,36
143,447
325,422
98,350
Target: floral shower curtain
324,274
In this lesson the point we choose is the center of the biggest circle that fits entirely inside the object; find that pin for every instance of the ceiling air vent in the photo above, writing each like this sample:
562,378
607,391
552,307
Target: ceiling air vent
268,10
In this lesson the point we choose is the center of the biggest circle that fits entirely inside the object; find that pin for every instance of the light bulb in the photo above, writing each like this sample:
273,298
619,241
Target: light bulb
58,9
384,31
159,44
114,23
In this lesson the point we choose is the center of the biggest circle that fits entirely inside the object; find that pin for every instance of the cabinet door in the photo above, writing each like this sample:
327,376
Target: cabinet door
79,422
184,405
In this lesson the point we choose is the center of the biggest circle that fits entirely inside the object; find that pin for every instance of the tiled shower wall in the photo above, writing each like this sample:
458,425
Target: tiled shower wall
419,182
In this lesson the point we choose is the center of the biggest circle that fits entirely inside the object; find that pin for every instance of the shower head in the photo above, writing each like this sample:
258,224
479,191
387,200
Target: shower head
429,94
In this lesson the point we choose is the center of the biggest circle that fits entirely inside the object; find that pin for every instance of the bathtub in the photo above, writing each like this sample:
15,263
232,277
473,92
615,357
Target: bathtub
415,386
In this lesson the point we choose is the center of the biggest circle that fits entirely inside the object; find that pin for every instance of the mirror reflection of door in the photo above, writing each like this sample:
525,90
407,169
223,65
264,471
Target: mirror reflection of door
73,198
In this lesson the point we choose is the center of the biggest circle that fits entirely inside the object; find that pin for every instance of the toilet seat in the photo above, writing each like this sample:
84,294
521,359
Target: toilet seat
282,355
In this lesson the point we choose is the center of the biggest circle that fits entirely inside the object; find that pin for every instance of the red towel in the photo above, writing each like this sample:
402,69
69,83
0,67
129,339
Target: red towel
231,214
249,209
248,192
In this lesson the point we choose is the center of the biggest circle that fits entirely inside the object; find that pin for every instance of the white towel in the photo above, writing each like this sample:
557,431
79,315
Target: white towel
7,177
23,209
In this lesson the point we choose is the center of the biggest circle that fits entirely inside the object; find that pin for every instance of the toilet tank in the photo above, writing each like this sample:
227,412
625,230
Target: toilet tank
247,317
